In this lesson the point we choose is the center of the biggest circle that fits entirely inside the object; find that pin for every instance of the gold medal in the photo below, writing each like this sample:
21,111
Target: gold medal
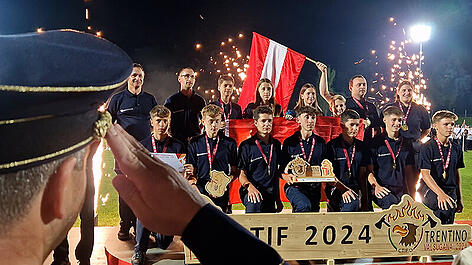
394,166
444,175
405,127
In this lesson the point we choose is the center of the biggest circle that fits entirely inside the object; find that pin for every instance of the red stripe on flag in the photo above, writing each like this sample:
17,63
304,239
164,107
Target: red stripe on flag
259,47
292,66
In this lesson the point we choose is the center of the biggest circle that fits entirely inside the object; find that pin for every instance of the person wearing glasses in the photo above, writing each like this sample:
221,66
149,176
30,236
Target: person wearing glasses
185,106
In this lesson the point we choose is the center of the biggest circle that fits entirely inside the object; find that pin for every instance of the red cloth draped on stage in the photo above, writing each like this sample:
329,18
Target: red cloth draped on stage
240,130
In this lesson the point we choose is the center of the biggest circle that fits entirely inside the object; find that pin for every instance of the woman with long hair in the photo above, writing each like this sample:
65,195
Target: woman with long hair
307,97
264,97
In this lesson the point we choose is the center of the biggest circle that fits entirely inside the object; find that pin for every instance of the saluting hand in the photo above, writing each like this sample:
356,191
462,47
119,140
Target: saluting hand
253,194
160,197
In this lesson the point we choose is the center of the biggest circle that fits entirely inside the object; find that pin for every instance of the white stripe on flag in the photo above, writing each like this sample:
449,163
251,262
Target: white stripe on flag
273,62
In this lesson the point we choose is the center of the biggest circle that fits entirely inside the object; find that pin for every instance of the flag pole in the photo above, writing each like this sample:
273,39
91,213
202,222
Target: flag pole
310,60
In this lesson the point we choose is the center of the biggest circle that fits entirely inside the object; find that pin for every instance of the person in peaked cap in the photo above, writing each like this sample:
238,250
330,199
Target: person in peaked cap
51,85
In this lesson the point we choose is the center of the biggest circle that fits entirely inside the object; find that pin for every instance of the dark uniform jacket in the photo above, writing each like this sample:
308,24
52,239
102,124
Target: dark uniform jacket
382,160
369,111
232,108
430,158
185,115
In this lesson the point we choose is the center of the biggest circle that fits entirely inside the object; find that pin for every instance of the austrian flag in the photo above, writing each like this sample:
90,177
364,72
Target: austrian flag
269,59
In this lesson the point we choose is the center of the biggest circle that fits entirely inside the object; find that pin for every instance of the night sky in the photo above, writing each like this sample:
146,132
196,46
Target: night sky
162,35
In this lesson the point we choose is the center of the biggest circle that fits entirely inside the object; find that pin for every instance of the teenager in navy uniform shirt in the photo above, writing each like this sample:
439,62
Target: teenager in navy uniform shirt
212,151
158,142
185,106
304,197
440,160
130,109
366,110
350,159
258,159
392,159
231,110
416,124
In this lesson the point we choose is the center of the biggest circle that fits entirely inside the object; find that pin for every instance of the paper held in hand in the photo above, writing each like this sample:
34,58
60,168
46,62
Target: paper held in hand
176,161
306,173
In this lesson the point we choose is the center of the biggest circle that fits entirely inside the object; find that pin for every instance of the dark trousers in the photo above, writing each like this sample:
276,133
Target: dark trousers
304,197
127,217
430,199
336,203
142,238
83,250
394,197
267,205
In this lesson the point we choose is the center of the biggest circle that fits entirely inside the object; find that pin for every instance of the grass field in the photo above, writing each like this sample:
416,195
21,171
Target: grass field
108,197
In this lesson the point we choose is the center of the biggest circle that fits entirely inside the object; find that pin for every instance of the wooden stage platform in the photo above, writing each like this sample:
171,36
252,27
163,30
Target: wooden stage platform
119,253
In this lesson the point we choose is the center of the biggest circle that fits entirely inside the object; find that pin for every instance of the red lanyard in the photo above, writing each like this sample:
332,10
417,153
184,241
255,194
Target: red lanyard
211,155
230,109
264,156
366,109
448,159
154,148
405,118
311,151
394,156
349,162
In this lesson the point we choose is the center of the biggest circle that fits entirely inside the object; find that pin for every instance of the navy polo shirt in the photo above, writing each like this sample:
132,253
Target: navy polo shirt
132,112
173,145
337,157
291,149
251,161
185,115
418,120
369,111
383,161
430,158
225,157
232,107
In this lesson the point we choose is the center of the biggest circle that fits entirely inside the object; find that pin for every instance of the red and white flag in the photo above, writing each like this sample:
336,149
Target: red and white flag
269,59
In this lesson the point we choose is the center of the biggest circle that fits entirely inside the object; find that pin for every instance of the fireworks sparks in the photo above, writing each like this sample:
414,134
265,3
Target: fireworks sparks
227,59
403,61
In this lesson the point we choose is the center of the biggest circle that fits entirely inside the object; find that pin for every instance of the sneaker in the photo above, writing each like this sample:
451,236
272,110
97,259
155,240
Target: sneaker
138,258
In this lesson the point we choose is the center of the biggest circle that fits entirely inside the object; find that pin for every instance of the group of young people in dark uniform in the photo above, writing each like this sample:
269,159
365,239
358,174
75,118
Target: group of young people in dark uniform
381,168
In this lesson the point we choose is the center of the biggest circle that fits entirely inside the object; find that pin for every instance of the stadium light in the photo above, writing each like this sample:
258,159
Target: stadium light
420,33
